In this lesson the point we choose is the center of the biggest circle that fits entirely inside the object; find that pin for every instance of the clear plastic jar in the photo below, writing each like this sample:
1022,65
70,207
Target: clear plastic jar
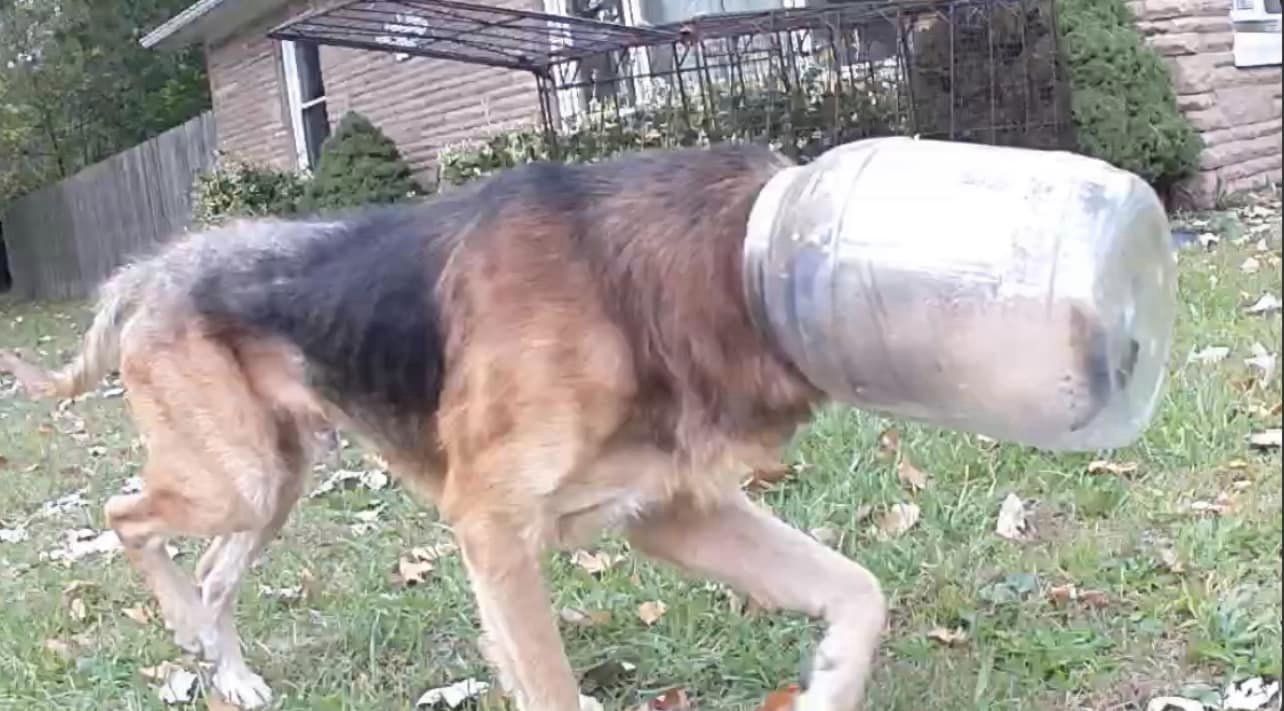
1025,295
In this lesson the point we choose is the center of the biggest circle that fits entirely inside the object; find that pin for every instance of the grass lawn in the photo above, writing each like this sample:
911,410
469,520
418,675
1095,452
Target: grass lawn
1175,554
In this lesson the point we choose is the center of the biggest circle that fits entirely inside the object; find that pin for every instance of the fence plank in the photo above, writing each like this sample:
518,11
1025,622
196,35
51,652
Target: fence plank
65,238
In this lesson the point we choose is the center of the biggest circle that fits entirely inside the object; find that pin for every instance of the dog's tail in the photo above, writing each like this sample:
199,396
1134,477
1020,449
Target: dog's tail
118,299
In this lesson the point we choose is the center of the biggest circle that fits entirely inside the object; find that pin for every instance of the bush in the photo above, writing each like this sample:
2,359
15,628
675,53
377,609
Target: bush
242,190
1125,110
359,165
803,122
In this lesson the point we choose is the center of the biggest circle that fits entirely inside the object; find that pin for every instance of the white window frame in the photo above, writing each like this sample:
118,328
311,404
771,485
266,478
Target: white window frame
1256,35
297,106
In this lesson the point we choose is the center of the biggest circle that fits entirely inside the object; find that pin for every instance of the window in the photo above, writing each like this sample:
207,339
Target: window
305,92
1256,26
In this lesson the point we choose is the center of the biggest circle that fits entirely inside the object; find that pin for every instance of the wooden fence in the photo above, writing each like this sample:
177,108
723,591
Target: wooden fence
64,239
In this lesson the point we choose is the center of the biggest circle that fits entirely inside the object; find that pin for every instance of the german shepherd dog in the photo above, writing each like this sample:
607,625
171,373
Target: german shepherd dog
541,354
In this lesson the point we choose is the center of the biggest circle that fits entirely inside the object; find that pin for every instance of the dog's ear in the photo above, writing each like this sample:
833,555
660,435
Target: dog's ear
36,381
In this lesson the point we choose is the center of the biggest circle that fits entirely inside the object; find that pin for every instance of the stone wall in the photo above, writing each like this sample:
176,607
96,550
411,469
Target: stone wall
1236,110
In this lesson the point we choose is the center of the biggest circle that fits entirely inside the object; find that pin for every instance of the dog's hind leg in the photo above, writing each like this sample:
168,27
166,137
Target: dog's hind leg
758,554
143,532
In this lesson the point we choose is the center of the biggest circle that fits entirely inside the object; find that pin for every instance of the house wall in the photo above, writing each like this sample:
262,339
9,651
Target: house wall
1236,110
422,104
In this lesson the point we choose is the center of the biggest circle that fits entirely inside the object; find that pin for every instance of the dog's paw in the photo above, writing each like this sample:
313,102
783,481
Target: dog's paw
242,687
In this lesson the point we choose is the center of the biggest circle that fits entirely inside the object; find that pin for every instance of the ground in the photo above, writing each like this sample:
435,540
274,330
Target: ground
1173,552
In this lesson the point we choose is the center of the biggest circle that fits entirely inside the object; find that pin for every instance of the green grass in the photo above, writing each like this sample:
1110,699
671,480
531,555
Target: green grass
359,642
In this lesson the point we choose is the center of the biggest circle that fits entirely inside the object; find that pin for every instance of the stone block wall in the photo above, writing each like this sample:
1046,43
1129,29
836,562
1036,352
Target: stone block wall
1236,110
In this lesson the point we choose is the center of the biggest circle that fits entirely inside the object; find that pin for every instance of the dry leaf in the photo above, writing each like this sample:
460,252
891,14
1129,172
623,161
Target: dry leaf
1062,594
651,611
1211,354
1250,266
1169,558
1094,598
1221,505
1267,303
431,554
13,535
83,542
826,535
63,649
1267,439
862,512
1012,523
889,443
764,479
948,637
1208,239
585,618
911,476
675,699
411,571
453,695
1250,694
899,519
1263,361
781,699
78,610
138,614
1119,468
177,684
594,563
1174,703
1237,464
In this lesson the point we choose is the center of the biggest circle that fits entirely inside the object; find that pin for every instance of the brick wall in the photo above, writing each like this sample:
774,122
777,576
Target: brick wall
420,103
1236,110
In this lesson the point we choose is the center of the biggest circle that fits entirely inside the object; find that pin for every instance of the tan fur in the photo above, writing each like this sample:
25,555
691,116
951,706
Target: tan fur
562,412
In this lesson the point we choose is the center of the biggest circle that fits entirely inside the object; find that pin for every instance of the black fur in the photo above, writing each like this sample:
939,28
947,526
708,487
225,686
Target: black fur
357,301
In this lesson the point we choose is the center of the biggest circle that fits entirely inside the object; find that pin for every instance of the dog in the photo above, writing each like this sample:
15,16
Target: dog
542,354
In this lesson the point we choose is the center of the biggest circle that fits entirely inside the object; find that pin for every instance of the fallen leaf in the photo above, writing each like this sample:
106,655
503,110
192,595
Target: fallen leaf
1171,561
781,699
911,476
1250,266
1063,594
1094,598
1267,303
1208,240
585,618
1211,354
138,614
1118,468
889,443
947,636
1012,523
433,553
986,442
351,479
1262,361
594,563
453,695
78,610
1174,703
1250,694
764,479
862,512
13,535
675,699
899,519
82,542
826,535
610,674
1266,439
63,649
1221,505
411,571
176,683
1237,464
651,611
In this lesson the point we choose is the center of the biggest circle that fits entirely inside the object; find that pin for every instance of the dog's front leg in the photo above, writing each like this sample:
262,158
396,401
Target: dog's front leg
520,630
756,553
